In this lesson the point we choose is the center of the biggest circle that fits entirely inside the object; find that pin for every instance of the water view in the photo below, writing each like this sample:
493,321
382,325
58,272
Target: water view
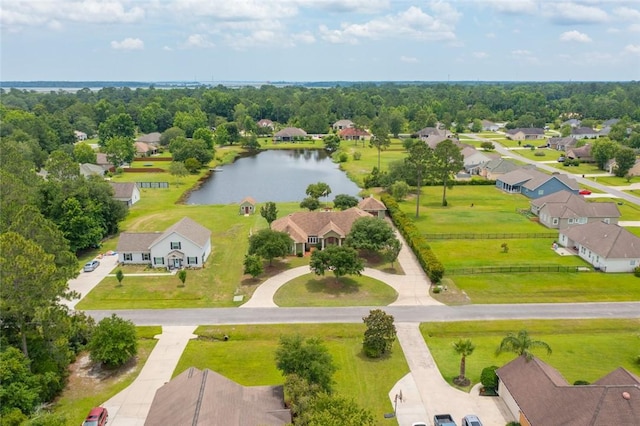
273,175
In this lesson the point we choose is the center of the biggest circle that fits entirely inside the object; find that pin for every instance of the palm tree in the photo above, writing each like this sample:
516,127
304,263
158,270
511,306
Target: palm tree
521,344
464,348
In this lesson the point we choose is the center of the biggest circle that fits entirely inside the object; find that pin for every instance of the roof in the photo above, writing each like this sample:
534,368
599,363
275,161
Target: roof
583,131
565,204
581,152
301,225
432,131
87,169
542,394
433,141
568,141
371,204
248,200
289,132
265,122
143,147
123,190
153,137
343,123
101,159
142,241
352,131
136,241
204,397
500,165
531,178
606,240
526,131
191,230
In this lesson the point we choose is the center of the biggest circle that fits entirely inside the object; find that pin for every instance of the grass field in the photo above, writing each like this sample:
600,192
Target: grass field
582,349
311,291
248,357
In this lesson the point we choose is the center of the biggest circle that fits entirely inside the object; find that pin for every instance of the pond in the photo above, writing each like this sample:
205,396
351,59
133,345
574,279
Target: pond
273,175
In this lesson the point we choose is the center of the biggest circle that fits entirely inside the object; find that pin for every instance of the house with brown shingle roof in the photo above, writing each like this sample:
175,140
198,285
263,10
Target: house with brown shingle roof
343,124
563,209
126,192
526,133
247,206
497,167
205,398
310,229
373,206
608,247
184,244
289,134
562,144
353,134
533,183
538,395
265,122
582,153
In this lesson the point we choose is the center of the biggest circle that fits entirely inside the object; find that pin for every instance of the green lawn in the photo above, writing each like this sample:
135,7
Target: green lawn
549,154
582,349
582,169
358,169
311,291
248,358
615,181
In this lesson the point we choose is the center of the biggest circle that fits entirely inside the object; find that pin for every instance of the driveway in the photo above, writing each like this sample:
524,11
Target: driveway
86,281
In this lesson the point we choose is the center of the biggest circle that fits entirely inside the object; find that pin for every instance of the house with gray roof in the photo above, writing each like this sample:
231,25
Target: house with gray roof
373,206
474,159
184,244
289,134
525,133
584,133
537,395
205,398
429,132
497,167
342,124
582,153
88,169
265,122
489,126
563,209
318,228
608,247
572,122
125,192
533,183
562,144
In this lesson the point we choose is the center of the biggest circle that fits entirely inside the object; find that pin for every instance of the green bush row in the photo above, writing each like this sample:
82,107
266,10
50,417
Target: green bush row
417,242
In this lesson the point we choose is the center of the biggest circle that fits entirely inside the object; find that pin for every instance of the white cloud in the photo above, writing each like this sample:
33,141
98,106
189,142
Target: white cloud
514,7
167,48
197,41
409,59
633,49
567,12
235,9
490,35
305,37
480,55
634,28
343,6
627,14
128,44
520,52
575,36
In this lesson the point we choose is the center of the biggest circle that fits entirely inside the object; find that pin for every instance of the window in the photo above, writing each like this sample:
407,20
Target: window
128,257
632,263
581,220
541,192
570,221
606,220
312,240
175,245
192,260
146,256
555,220
158,260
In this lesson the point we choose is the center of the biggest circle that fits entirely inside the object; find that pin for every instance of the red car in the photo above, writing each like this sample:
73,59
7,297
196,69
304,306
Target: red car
584,192
98,416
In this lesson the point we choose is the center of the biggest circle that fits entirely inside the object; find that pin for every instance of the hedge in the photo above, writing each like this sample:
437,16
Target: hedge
428,260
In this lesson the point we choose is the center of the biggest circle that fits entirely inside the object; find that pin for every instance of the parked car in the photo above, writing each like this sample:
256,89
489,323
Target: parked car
527,145
98,416
471,420
561,159
419,424
91,266
584,192
443,420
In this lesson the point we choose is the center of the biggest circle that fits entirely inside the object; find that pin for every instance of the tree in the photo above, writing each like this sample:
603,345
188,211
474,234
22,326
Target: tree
20,388
83,153
447,160
341,260
391,250
113,342
269,212
379,335
310,203
476,126
192,165
332,143
190,121
487,146
253,265
60,166
182,276
344,201
118,125
269,244
464,348
625,160
119,276
489,378
370,233
170,134
317,190
178,169
308,359
80,224
521,344
602,151
222,136
419,155
380,138
204,134
119,150
334,410
182,149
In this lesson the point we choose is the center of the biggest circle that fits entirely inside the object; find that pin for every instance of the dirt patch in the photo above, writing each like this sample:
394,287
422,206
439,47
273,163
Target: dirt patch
85,375
449,293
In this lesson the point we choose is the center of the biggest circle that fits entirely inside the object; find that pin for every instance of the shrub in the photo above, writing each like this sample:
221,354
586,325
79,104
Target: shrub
113,342
357,155
488,377
343,157
437,289
581,383
539,154
636,271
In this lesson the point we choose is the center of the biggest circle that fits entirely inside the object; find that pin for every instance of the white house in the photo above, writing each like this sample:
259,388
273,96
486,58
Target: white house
608,247
127,192
80,136
185,244
343,124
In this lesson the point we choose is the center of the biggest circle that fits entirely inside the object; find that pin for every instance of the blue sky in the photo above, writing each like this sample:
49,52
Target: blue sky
319,40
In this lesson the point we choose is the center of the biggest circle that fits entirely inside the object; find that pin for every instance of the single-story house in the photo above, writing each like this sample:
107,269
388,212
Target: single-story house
633,171
373,206
497,167
562,144
533,183
610,122
489,126
353,134
433,141
474,159
186,243
563,209
323,228
582,153
538,395
248,206
80,136
126,192
608,247
205,398
428,132
289,134
572,122
88,169
150,138
144,149
342,124
525,133
265,122
103,161
584,133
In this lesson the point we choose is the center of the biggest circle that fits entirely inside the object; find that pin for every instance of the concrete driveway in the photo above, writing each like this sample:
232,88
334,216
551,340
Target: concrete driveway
86,281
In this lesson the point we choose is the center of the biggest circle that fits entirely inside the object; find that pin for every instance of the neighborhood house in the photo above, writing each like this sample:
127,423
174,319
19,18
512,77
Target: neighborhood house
247,206
185,244
126,192
528,133
563,209
532,183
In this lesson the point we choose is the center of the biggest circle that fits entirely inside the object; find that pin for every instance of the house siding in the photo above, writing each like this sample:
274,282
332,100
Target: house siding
598,261
162,249
549,187
511,403
136,258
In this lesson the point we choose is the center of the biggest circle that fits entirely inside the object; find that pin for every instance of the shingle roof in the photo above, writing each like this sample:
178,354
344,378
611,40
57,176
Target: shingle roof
301,225
265,122
289,132
370,204
123,190
249,200
142,241
87,169
583,131
343,123
191,230
432,131
606,240
531,178
580,152
543,394
204,397
526,131
142,147
564,142
136,241
352,131
564,204
153,137
500,165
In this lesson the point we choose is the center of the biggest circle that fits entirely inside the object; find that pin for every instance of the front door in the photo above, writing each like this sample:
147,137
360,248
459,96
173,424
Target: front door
177,263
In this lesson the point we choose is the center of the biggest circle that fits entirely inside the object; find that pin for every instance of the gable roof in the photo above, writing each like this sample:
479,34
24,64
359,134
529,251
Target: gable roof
343,123
500,165
87,169
143,147
153,137
432,131
301,225
289,132
352,131
583,131
191,230
265,122
565,142
526,131
580,152
136,241
370,204
565,204
542,394
143,241
204,397
606,240
248,200
123,190
532,178
102,160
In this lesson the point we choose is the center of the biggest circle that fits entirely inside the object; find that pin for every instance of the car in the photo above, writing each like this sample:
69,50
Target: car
561,159
419,424
527,145
471,420
98,416
91,266
584,192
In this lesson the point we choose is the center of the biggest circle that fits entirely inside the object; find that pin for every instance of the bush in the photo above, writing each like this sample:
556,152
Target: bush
488,377
357,155
437,289
343,157
581,383
539,154
636,271
114,341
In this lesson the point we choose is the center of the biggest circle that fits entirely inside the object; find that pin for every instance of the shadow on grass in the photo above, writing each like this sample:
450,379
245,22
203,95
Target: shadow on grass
333,287
382,358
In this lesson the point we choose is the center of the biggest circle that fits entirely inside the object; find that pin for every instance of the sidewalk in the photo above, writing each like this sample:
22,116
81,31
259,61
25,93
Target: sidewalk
131,406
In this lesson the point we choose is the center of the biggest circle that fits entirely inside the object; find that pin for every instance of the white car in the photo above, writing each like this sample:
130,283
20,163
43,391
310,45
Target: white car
91,266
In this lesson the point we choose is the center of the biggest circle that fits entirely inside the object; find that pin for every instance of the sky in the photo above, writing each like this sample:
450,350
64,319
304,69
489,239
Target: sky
319,40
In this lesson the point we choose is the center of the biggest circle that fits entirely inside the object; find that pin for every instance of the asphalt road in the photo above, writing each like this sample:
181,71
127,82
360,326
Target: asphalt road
173,317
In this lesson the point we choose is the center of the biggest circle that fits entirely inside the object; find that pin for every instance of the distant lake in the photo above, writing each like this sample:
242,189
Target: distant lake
273,175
